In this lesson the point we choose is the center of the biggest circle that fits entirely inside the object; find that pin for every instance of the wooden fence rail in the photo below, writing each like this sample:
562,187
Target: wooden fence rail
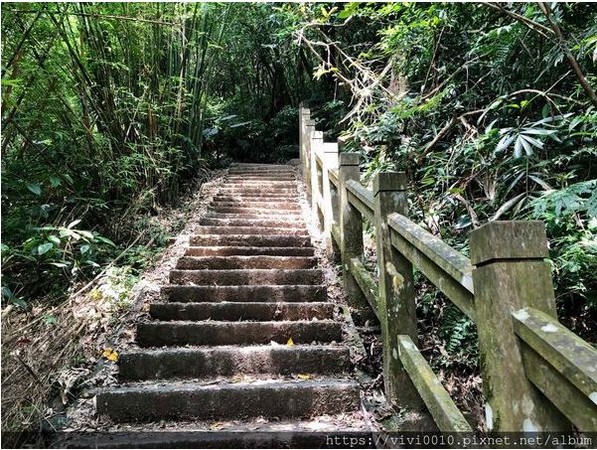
537,374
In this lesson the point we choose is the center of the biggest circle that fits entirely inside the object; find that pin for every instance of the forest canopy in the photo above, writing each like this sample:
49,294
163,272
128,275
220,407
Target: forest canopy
110,109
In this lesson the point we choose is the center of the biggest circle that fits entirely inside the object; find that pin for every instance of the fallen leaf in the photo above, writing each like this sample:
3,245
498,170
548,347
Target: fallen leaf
110,354
238,378
290,342
303,376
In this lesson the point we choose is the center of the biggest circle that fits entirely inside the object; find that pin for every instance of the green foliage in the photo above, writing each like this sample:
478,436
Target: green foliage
570,215
51,256
485,112
109,108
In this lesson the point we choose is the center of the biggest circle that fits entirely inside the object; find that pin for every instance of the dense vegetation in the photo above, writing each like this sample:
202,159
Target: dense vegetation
108,109
490,109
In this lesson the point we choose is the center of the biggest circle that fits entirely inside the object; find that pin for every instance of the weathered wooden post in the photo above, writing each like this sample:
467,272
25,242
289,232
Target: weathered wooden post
396,302
511,273
316,149
351,234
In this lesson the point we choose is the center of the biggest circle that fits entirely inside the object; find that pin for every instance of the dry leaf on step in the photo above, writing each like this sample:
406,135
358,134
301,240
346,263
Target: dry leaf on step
290,342
110,354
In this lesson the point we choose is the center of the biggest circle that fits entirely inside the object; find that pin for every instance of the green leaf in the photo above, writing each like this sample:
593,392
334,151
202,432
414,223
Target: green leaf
61,265
74,223
518,147
54,239
534,142
84,248
50,319
55,181
65,232
11,82
504,142
35,188
528,149
87,235
44,248
105,240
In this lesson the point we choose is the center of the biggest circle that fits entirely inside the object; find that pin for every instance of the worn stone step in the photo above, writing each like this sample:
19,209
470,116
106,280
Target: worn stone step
246,276
256,198
259,204
192,400
259,196
260,193
228,311
245,293
268,178
253,210
250,251
255,194
264,231
293,218
242,180
248,433
272,215
245,262
262,173
241,222
250,240
259,166
232,190
158,334
245,168
245,180
202,362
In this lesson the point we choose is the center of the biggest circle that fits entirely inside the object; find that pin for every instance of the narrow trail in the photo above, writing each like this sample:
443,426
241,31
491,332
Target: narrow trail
245,331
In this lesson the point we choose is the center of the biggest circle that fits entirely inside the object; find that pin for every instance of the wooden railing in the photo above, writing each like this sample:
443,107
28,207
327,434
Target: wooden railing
537,374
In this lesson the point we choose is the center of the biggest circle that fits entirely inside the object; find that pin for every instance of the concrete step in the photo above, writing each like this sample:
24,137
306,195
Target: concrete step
264,231
158,334
245,262
249,251
256,198
260,168
273,223
228,311
202,362
281,176
263,194
275,177
232,190
297,218
246,276
259,204
250,240
249,433
246,293
301,399
253,210
263,184
259,194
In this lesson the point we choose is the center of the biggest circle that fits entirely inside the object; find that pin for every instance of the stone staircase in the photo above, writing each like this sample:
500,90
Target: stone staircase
217,347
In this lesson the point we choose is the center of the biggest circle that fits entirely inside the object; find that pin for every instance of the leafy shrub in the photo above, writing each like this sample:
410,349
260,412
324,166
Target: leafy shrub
49,258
